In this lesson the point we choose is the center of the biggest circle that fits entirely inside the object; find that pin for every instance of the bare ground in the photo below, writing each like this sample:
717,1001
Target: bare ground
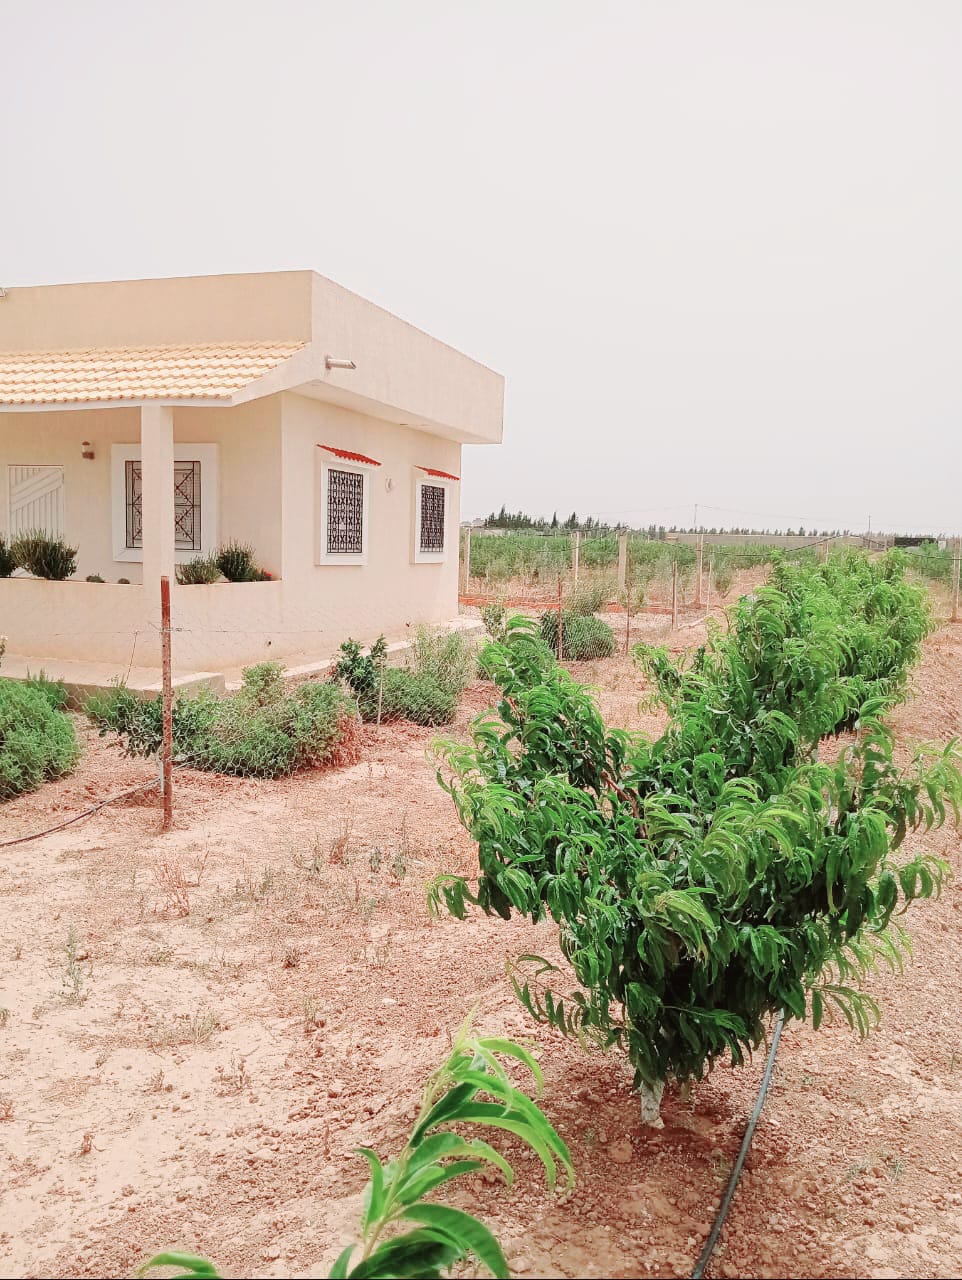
203,1026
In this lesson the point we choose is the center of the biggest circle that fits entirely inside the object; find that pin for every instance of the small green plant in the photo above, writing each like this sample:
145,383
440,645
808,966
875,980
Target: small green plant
74,976
235,560
583,637
470,1088
494,616
200,570
446,657
94,577
43,556
123,582
7,561
37,740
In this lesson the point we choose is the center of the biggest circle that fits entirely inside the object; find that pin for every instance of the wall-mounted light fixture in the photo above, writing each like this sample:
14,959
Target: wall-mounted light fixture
86,450
332,362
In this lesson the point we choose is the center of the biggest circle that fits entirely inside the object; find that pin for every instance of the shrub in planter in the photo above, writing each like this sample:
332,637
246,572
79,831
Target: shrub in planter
94,577
235,560
43,556
198,571
7,562
37,741
583,638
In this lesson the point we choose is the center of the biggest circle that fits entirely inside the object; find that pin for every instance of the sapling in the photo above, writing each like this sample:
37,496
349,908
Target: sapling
709,879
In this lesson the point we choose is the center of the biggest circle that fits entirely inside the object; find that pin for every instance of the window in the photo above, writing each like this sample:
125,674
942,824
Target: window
434,499
432,519
344,499
187,505
195,500
345,512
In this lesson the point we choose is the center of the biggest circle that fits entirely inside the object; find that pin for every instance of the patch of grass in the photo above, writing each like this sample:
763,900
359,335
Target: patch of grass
312,1017
74,976
234,1078
184,1028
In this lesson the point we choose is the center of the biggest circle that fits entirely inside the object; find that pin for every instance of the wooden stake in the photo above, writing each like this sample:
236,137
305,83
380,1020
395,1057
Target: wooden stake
701,561
622,559
956,565
711,567
561,647
674,594
465,561
575,553
167,741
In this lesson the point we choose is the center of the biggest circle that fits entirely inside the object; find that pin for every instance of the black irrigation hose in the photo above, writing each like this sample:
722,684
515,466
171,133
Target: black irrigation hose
712,1240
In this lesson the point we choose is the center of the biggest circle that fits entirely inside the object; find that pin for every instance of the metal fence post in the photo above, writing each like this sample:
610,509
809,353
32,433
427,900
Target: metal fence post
167,742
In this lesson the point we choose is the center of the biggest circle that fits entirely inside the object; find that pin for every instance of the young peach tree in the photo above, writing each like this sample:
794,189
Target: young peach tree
723,872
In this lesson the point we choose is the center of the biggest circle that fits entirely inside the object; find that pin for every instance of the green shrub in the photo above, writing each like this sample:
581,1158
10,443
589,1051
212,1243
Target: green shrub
37,741
494,617
55,691
394,693
7,561
94,577
448,657
200,570
590,595
583,638
263,730
721,873
235,560
43,556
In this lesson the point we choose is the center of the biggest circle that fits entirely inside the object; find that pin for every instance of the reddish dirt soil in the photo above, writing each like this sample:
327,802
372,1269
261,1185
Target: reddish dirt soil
253,996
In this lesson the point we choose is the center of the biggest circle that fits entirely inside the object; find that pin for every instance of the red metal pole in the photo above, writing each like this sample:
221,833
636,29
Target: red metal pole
167,745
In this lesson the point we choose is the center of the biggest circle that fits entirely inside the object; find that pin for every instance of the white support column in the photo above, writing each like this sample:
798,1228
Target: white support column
157,472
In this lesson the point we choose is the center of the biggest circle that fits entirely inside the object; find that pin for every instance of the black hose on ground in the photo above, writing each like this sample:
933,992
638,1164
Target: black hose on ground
715,1232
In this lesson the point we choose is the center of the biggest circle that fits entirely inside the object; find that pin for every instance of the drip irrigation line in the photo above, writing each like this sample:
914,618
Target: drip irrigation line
84,813
712,1240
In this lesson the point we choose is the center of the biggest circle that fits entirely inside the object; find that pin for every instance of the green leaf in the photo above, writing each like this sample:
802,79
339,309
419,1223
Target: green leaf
473,1235
191,1264
374,1199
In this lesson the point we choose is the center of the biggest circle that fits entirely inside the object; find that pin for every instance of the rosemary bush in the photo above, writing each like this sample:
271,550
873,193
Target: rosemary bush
263,730
720,873
37,740
43,556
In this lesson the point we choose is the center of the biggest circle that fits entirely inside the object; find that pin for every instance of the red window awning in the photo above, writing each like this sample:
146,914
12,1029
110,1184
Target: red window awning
349,455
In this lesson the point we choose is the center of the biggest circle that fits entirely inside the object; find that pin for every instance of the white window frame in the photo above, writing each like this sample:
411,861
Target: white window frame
207,456
365,470
421,478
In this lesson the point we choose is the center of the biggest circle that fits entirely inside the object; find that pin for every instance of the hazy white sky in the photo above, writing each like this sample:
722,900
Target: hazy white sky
714,246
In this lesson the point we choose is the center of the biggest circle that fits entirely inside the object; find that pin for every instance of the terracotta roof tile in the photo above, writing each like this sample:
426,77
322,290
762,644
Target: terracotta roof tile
209,371
444,475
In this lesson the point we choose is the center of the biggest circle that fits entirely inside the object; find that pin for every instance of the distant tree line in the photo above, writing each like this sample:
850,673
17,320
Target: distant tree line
505,519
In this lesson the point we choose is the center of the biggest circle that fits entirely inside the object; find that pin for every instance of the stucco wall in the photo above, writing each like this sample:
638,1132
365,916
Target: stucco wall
270,495
248,460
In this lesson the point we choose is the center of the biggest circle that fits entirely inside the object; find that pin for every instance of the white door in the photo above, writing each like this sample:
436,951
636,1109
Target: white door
36,500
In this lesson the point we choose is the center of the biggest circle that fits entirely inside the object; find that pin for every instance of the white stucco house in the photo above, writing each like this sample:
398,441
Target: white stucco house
150,421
